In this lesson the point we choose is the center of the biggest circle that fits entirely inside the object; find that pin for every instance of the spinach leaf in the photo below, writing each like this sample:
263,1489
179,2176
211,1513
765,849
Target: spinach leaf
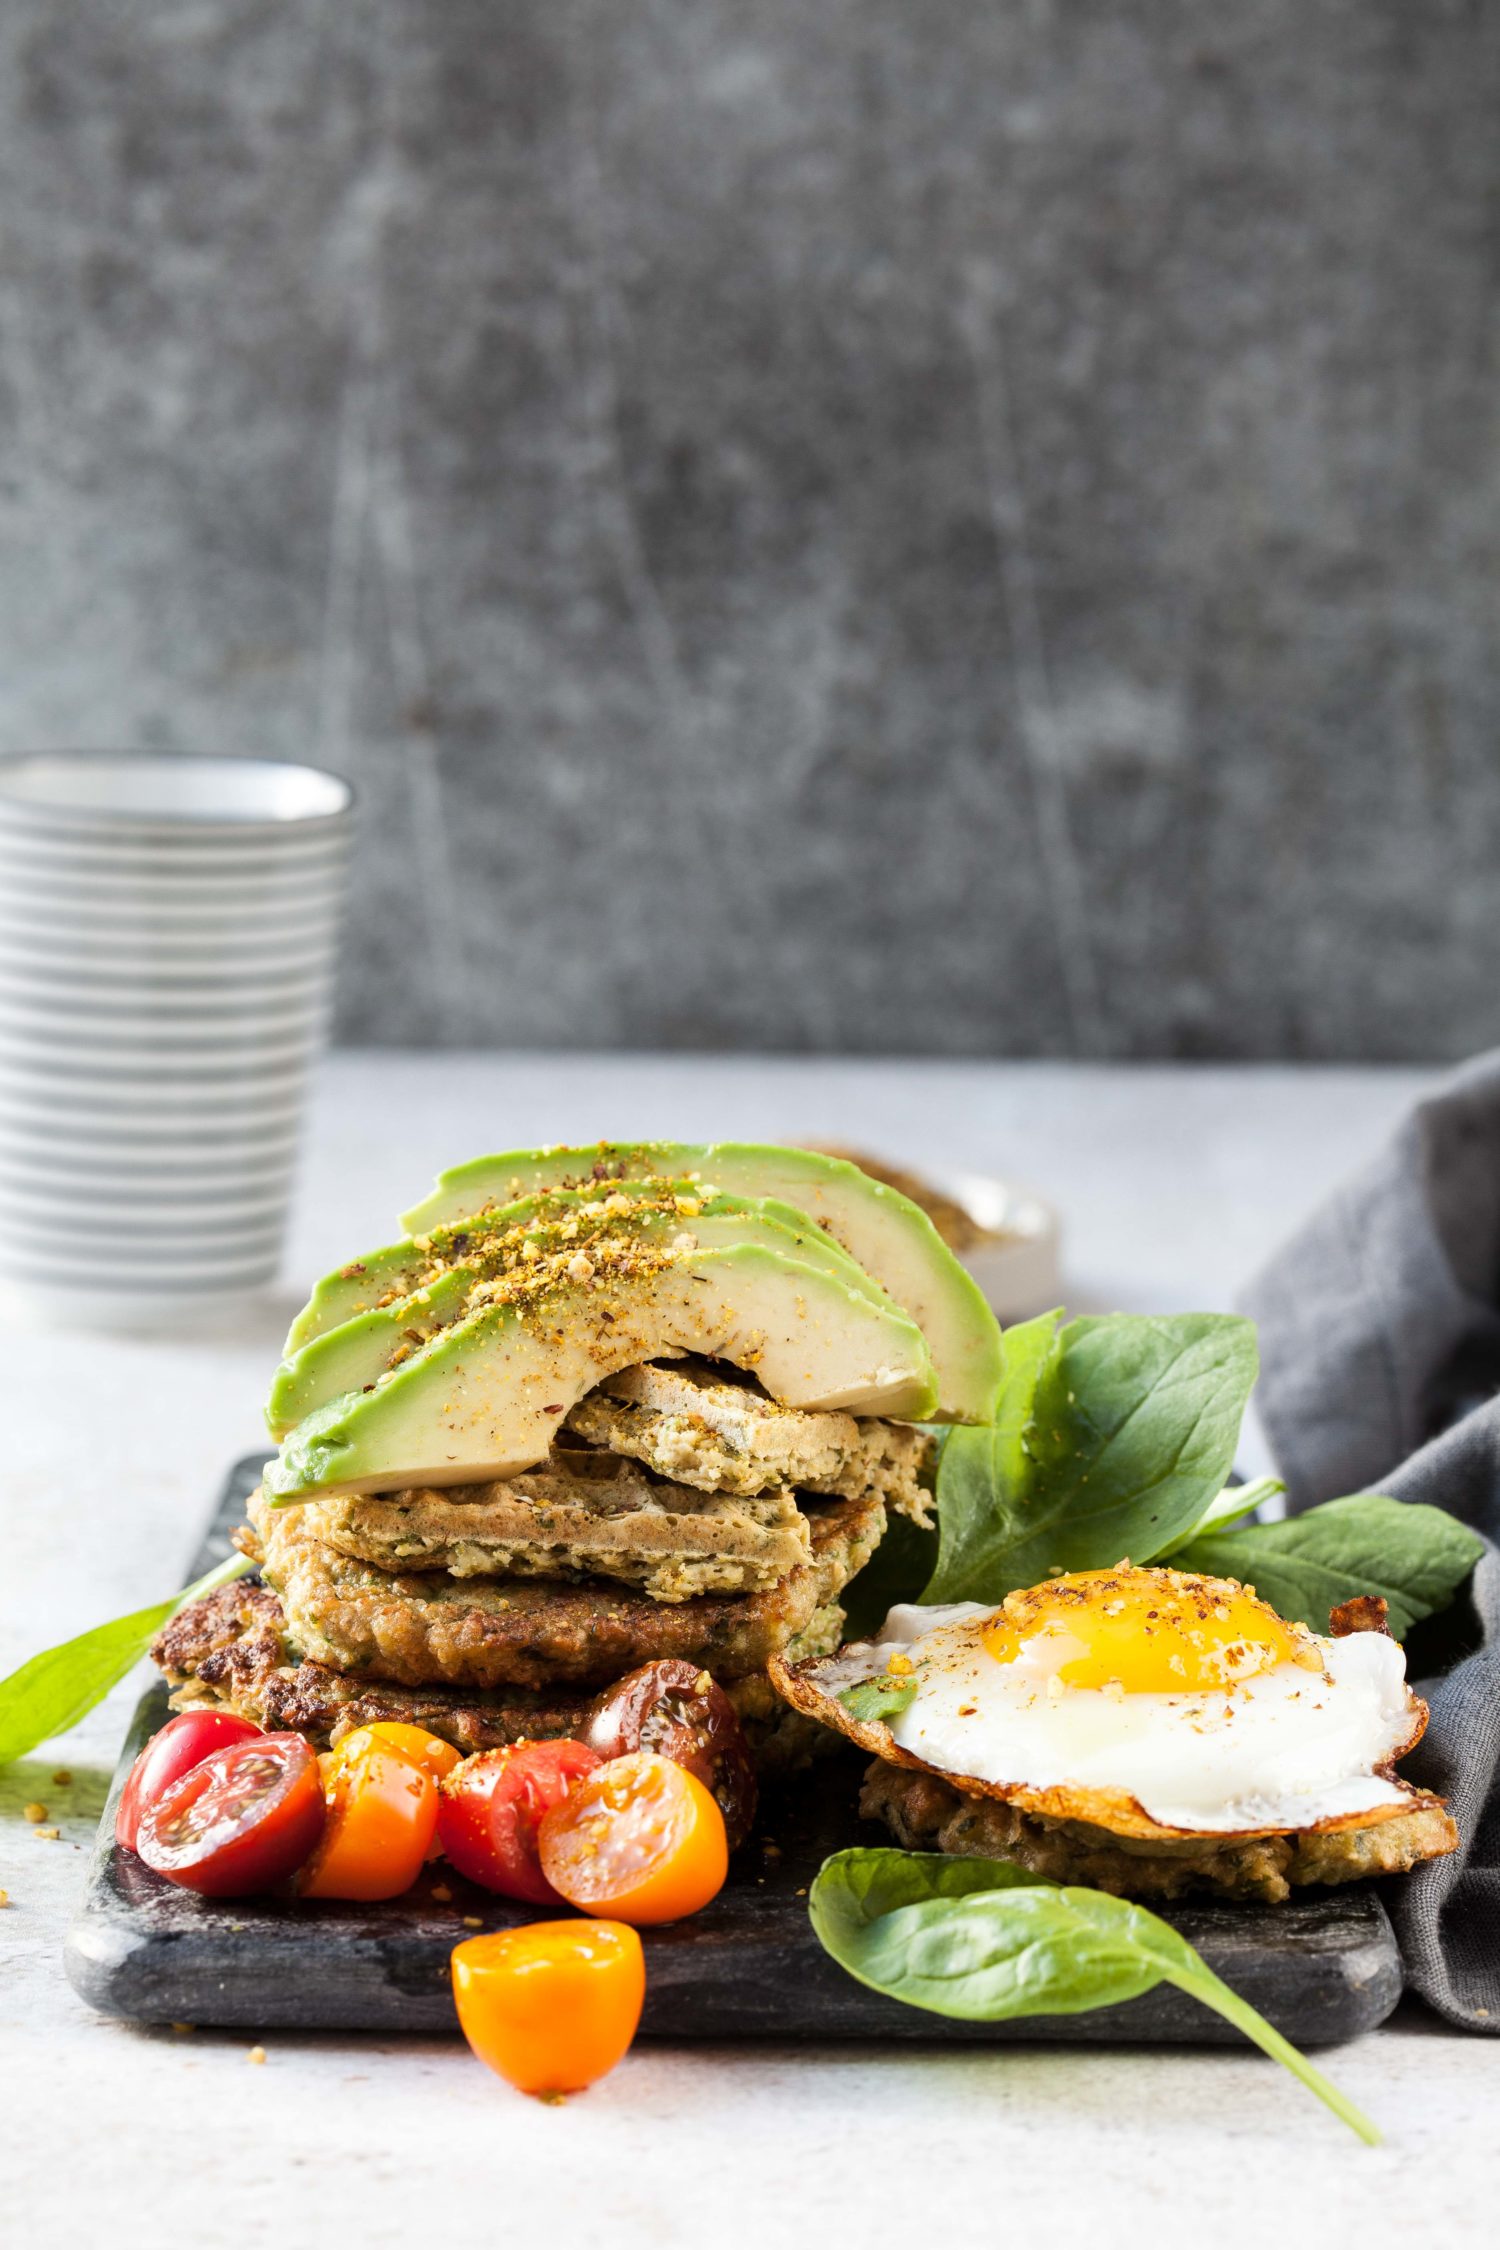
981,1940
885,1698
1417,1557
1229,1506
53,1691
1112,1435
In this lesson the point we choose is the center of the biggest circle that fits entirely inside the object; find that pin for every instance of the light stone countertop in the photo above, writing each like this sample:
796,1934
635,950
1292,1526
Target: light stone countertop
1172,1184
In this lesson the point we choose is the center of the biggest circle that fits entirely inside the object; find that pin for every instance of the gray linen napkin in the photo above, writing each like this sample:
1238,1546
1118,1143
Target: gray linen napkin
1380,1356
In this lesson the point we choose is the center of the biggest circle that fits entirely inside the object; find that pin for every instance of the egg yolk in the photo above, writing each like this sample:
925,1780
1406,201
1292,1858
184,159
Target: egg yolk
1145,1632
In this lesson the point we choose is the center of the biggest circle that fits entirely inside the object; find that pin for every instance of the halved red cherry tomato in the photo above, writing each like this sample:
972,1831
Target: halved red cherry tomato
184,1742
492,1806
640,1840
382,1810
676,1709
240,1822
552,2006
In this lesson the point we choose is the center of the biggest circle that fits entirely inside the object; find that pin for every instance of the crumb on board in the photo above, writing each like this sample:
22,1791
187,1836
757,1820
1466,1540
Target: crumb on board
33,1812
256,2055
48,1835
63,1778
180,2027
4,1898
473,1922
442,1894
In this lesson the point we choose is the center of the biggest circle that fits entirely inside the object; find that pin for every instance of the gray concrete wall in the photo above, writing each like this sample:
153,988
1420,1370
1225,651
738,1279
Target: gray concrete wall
872,524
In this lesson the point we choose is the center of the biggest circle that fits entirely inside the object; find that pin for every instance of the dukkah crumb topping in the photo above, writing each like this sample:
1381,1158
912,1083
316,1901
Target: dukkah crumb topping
598,1245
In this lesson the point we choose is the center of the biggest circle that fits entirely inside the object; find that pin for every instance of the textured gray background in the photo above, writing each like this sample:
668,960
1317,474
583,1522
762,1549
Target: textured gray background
873,524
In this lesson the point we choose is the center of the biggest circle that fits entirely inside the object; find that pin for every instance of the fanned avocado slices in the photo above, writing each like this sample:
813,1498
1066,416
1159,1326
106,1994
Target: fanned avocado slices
882,1230
485,1244
485,1397
401,1319
411,1263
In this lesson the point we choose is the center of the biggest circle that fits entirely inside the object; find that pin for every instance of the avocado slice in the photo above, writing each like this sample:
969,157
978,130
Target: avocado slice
484,1398
882,1229
405,1265
481,1244
359,1350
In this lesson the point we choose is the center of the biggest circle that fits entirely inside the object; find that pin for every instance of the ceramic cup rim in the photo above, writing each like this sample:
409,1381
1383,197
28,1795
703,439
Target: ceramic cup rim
79,792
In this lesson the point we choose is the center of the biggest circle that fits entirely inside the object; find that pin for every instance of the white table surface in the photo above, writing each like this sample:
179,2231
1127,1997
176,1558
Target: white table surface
1173,1183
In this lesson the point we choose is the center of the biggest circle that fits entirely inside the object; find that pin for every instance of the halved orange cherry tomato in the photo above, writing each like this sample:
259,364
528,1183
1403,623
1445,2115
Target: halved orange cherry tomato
640,1839
492,1806
382,1815
551,2006
676,1708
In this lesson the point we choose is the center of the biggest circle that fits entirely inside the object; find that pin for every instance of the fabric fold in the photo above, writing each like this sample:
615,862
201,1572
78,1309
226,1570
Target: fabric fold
1380,1366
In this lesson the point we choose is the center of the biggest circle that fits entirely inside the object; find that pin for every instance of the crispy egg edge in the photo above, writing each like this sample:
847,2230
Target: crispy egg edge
1112,1809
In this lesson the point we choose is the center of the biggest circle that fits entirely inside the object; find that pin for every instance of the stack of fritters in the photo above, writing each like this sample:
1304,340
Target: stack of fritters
680,1513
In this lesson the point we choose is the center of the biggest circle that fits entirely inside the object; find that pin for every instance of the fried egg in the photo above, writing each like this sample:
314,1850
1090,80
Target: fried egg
1145,1700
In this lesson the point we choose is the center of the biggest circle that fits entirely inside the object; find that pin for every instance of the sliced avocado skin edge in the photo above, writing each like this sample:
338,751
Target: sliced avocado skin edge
325,1452
345,1358
284,1408
968,1374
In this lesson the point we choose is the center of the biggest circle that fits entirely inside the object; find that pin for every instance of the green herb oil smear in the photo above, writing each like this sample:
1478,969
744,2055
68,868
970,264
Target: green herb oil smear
983,1940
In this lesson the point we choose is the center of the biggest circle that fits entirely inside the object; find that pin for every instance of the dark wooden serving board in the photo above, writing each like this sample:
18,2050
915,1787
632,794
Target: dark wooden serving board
1323,1968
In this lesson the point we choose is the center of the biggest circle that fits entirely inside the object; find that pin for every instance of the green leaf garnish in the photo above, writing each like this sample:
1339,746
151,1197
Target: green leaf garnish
982,1940
1112,1436
1234,1503
885,1698
51,1692
1416,1556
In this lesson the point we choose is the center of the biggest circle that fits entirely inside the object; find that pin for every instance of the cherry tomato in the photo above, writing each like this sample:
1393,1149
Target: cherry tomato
491,1808
640,1840
674,1708
382,1810
551,2006
432,1753
181,1744
239,1822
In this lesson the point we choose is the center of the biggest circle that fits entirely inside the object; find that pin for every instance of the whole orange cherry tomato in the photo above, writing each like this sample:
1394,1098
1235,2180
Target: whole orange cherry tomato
551,2006
431,1752
381,1819
640,1839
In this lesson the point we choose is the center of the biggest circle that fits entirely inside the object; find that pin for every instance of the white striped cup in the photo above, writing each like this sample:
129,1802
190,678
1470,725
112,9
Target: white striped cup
169,929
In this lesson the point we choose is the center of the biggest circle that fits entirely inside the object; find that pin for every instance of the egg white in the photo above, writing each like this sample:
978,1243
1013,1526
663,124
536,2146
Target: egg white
1288,1748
